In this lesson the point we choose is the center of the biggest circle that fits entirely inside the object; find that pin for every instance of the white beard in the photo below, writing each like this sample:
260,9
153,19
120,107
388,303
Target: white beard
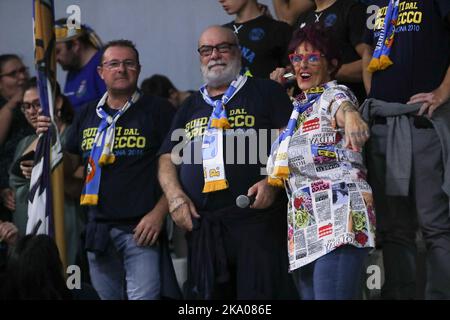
221,76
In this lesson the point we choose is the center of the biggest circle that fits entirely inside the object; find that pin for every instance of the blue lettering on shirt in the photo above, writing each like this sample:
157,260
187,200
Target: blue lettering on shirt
248,54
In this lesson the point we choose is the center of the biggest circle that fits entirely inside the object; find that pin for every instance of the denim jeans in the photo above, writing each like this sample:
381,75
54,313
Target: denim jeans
125,270
334,276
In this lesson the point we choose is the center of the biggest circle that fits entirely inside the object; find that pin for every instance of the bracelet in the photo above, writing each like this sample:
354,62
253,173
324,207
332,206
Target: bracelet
177,207
176,203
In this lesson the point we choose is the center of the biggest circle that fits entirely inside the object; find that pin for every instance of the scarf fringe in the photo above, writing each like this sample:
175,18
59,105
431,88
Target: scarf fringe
380,57
379,64
89,199
221,123
211,186
106,159
374,65
281,172
275,182
385,62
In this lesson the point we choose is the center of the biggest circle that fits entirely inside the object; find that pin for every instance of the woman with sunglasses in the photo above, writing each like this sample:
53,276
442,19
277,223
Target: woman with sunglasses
318,160
13,126
20,172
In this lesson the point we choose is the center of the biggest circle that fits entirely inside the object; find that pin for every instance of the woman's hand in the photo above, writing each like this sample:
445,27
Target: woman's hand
43,123
7,196
27,167
8,232
277,75
356,129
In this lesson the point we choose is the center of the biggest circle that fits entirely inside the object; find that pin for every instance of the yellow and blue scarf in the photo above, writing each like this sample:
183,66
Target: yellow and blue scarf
277,164
212,146
380,59
102,149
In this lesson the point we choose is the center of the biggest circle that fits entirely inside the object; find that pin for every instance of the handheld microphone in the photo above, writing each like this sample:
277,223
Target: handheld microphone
244,201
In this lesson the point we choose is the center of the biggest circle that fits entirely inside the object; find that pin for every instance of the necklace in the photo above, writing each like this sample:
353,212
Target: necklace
318,16
236,29
323,8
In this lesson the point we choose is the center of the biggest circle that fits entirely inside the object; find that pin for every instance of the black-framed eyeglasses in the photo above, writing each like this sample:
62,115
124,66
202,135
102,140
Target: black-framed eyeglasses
225,47
26,106
115,64
15,73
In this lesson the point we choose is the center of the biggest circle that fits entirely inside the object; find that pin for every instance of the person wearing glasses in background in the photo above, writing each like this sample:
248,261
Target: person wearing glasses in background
233,253
23,162
13,125
117,139
318,159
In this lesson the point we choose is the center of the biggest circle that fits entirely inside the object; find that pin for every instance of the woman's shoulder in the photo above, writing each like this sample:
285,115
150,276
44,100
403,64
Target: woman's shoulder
339,92
334,86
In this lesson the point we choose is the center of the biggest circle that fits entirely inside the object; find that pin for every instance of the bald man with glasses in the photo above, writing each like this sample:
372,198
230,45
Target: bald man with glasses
233,253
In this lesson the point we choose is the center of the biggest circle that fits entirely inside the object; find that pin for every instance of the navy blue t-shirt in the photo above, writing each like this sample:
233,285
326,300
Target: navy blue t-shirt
85,85
420,52
129,187
264,43
260,104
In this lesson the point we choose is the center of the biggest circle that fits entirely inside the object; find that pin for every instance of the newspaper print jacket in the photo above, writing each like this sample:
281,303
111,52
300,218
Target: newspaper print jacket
330,201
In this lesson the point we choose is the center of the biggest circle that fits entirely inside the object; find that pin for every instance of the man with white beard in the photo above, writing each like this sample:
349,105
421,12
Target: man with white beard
234,253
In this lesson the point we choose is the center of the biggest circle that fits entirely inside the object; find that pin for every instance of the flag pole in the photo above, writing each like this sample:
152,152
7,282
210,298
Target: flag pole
46,198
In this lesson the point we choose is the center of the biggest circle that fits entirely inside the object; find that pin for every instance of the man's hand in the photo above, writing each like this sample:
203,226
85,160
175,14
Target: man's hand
147,231
182,209
8,198
8,232
27,166
42,125
264,194
430,100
